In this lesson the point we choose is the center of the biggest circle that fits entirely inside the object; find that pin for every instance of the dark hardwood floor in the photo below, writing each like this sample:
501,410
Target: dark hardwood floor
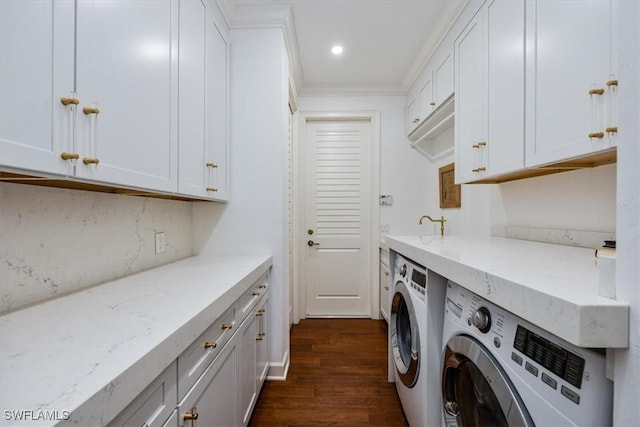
337,377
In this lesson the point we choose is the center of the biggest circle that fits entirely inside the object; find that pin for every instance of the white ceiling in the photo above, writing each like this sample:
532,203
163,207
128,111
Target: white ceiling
385,41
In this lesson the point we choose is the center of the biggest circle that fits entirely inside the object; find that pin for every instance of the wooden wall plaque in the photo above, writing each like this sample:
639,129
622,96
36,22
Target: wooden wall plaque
450,193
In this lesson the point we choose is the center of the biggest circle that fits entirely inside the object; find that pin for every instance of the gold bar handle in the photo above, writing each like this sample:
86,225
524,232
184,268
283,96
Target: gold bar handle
261,311
90,110
262,286
67,101
416,120
211,165
596,91
226,326
193,415
69,156
212,189
598,135
613,129
255,294
480,169
432,103
612,83
479,144
258,314
90,160
208,345
259,337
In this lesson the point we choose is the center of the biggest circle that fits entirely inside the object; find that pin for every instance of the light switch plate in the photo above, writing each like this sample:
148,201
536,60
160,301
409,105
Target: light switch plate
161,244
386,199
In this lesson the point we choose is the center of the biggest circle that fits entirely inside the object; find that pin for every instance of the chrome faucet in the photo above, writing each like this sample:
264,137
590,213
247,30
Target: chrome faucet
441,221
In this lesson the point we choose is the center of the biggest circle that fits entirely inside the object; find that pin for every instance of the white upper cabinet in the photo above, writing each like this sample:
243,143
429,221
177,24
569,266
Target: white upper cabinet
442,74
37,72
569,54
426,98
126,80
203,102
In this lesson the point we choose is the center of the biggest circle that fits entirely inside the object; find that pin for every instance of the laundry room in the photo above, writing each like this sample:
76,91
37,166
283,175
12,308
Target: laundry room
283,212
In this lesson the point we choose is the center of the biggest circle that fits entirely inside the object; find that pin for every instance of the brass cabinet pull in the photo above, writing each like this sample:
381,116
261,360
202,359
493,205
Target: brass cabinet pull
432,103
386,288
208,345
598,135
211,165
480,169
68,101
613,129
211,189
193,415
386,273
262,286
90,160
479,144
258,314
90,110
69,156
416,120
596,91
261,311
612,83
226,326
255,294
259,337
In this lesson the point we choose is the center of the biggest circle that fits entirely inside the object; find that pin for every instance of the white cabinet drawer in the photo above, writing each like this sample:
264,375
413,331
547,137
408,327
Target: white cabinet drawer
251,297
154,405
197,357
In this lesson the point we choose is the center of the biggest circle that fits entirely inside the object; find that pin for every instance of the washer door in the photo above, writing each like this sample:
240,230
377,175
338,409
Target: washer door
405,337
475,389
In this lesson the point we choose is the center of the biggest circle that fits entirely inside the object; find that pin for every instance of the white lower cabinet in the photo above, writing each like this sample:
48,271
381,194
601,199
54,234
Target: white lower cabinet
212,400
385,280
154,406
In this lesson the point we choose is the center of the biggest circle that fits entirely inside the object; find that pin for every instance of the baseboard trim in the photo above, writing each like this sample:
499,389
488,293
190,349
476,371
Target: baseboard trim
278,371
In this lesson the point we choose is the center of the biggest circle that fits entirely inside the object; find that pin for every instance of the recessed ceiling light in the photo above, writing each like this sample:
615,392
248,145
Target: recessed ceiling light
337,50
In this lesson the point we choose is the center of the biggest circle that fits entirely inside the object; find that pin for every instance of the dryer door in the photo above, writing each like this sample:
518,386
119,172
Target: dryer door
475,389
405,337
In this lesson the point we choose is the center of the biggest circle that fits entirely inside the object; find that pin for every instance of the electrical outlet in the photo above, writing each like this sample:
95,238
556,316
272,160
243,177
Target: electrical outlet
161,244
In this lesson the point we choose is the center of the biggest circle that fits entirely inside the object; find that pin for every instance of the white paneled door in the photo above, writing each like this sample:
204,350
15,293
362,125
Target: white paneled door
337,193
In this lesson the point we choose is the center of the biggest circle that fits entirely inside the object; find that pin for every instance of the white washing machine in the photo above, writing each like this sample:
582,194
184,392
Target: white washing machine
500,370
414,343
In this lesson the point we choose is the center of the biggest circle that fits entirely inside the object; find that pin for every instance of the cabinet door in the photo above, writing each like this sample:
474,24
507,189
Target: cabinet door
568,54
36,53
426,98
470,89
384,290
213,397
413,113
202,102
126,68
247,393
504,149
262,351
442,74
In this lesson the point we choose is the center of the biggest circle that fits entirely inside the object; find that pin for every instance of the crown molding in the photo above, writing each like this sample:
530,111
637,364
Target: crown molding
352,90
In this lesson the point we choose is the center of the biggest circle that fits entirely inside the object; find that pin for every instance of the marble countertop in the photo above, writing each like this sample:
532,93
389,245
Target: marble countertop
552,286
93,352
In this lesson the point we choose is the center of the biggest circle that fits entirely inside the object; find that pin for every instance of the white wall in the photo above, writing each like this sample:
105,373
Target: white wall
254,220
55,241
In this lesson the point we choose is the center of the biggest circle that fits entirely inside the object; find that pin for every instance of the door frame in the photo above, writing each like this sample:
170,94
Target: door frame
299,148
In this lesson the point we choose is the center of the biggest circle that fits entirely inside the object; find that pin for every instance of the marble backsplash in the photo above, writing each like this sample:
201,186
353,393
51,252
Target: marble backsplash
56,241
583,239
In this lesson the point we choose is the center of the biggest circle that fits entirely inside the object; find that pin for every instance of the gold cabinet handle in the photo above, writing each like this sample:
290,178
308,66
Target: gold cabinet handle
479,144
69,156
193,415
212,189
261,311
596,91
386,273
260,337
612,83
226,326
432,103
209,344
90,110
612,129
416,120
90,160
211,165
386,288
598,135
255,294
480,169
262,286
68,101
258,314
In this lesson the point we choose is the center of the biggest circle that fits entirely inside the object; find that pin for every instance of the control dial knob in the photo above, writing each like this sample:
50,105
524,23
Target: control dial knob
403,270
481,319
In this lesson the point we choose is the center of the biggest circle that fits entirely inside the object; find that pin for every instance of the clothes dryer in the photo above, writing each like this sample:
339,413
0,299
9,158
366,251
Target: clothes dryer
500,370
